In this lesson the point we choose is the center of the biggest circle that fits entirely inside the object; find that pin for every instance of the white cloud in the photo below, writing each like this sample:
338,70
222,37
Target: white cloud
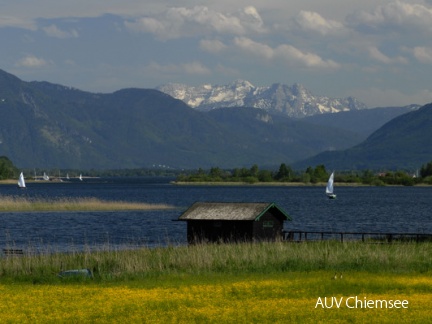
377,55
50,9
212,46
286,53
31,61
153,26
54,31
251,19
199,20
373,42
228,71
254,48
313,22
195,68
294,55
395,15
423,54
9,21
191,68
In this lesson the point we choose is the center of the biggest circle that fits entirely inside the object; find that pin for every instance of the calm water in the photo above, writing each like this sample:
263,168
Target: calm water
371,209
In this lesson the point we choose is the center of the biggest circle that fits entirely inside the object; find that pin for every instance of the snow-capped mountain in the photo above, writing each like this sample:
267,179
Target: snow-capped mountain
293,101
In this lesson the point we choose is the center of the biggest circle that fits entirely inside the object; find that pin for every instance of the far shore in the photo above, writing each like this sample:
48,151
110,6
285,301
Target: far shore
281,184
52,180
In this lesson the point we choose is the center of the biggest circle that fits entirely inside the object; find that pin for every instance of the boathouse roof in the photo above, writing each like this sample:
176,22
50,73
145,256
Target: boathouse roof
231,211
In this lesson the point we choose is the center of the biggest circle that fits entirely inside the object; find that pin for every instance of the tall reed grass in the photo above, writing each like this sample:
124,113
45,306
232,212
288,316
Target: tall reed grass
15,203
259,258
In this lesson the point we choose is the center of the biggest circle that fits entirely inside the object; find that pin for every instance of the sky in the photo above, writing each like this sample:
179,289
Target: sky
379,51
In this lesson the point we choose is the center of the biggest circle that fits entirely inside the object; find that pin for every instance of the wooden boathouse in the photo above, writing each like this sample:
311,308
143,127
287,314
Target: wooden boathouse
234,222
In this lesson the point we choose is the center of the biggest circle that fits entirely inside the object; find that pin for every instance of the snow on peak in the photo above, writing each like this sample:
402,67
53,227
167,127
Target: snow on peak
293,101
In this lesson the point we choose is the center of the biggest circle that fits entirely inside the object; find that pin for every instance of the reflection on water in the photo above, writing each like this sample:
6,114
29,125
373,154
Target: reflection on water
370,209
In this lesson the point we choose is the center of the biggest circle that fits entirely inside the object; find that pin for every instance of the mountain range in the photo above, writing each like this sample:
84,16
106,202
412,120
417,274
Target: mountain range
292,101
45,125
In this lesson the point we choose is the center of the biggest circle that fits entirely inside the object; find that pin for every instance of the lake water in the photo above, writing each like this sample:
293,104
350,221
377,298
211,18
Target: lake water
356,209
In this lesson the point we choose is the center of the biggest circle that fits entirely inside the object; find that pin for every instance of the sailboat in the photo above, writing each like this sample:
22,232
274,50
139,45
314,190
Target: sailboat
21,182
45,177
80,177
329,187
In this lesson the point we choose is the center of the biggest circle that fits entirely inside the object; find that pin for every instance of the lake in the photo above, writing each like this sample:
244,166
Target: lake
356,209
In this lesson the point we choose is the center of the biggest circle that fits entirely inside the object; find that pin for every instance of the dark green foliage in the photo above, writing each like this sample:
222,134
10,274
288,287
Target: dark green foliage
317,175
285,173
7,169
426,170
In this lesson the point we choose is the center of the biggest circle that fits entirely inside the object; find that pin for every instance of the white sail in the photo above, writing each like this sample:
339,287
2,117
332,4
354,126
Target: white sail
80,177
329,187
21,181
45,177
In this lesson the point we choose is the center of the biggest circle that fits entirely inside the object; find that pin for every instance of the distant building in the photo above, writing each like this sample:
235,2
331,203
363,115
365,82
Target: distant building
233,222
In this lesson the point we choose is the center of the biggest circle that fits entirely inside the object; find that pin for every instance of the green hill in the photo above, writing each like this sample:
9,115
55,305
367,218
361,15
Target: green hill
403,142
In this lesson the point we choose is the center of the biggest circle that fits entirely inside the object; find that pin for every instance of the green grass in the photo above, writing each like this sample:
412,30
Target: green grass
110,265
219,283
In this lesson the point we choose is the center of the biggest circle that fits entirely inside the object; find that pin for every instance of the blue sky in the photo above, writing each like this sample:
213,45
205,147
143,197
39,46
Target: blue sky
376,50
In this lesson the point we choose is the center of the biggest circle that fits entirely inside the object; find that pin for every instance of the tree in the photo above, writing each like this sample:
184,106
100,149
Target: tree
215,173
7,169
265,176
320,174
254,170
308,175
367,177
284,173
426,170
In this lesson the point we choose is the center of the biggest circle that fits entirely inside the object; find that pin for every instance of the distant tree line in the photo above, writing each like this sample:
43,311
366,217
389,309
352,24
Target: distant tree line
311,175
253,174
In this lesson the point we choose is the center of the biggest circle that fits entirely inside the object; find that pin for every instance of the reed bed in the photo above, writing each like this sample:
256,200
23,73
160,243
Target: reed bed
26,204
262,258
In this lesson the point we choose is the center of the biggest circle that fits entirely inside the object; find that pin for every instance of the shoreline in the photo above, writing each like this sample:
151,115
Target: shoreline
285,184
276,184
52,180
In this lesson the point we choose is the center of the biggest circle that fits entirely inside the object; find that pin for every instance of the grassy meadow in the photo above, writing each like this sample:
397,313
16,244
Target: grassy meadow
222,283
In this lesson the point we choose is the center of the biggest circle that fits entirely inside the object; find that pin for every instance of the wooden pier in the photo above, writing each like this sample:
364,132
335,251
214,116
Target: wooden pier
372,237
11,252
